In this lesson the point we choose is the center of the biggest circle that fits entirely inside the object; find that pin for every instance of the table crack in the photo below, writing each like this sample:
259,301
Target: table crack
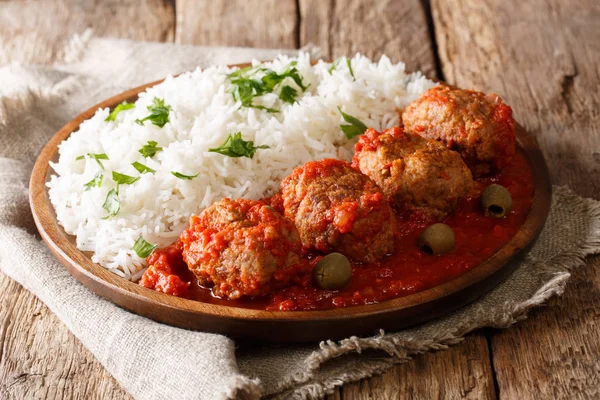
488,338
426,4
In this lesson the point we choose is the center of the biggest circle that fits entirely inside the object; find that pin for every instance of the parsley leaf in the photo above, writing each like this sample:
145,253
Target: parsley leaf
246,89
246,85
96,182
121,107
288,94
142,248
355,128
122,179
150,149
241,71
272,78
267,109
350,68
112,204
292,72
334,65
159,113
235,146
142,169
182,176
96,157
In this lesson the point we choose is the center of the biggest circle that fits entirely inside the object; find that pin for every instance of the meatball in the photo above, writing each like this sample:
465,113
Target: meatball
335,207
477,125
241,248
413,173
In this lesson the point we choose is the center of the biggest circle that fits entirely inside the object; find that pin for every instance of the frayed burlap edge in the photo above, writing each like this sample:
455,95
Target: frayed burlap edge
243,388
400,351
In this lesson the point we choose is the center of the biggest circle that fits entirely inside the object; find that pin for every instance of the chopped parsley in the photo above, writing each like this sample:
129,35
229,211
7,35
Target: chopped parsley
141,168
182,176
350,68
122,179
288,94
96,182
150,149
246,89
159,113
335,64
121,107
247,85
272,78
112,204
355,128
241,71
235,146
96,157
142,248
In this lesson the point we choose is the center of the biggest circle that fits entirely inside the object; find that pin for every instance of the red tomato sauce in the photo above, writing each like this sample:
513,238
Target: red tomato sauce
408,270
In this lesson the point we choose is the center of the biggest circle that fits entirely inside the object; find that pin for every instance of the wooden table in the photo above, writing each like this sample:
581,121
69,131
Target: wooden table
542,57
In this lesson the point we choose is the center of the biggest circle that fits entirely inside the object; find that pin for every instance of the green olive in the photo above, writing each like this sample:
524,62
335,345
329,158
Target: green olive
496,201
332,272
437,239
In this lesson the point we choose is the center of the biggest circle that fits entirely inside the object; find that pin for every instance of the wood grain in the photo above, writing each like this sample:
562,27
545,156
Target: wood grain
551,81
40,358
397,29
543,58
564,361
460,372
37,31
254,23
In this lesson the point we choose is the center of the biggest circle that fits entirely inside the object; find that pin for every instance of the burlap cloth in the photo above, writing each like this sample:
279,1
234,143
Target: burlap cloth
154,361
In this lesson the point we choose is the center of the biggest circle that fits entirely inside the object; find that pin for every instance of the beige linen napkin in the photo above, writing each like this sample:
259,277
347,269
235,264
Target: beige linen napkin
155,361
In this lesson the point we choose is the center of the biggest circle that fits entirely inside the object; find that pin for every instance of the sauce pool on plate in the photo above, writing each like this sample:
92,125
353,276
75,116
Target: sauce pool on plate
406,271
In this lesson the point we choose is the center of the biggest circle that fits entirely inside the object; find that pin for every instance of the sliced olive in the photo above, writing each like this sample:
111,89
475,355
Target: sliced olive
332,272
437,239
496,201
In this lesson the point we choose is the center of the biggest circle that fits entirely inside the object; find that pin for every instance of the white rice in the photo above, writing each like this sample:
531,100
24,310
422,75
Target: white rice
158,206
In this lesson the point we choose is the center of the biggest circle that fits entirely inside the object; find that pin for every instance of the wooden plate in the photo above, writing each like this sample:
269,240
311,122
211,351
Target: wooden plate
280,326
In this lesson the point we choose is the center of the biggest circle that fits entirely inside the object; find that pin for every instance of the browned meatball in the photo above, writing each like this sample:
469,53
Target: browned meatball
241,248
477,125
413,172
335,207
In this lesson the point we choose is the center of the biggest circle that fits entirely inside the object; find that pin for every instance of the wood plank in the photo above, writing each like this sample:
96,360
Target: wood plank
461,372
397,29
552,82
563,362
36,32
40,358
248,23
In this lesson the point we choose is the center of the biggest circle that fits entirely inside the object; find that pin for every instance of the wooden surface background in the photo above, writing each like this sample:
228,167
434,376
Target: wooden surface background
542,57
